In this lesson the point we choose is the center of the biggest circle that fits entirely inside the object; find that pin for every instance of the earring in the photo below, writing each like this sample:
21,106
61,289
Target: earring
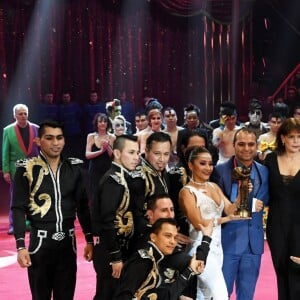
282,143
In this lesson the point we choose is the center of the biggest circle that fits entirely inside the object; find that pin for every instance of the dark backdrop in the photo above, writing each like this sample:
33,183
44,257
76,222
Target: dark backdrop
178,51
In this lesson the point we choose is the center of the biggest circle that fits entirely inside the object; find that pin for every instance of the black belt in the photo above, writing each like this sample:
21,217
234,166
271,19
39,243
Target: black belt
57,236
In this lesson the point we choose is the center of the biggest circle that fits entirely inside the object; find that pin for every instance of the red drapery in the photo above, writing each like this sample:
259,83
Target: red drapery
141,47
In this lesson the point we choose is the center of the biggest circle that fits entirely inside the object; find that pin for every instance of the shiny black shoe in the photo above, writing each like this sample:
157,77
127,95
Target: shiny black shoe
10,231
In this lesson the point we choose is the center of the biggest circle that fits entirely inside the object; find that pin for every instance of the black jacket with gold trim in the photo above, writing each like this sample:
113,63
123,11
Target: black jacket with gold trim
49,201
143,277
146,182
112,216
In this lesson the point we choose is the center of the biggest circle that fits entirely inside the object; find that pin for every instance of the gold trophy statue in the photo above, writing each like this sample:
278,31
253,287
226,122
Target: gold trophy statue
242,174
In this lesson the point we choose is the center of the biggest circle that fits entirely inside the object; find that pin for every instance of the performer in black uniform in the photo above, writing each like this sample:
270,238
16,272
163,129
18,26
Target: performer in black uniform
112,216
151,176
143,276
49,190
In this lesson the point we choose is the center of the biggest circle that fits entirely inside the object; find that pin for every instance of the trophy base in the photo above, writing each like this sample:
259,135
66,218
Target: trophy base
244,213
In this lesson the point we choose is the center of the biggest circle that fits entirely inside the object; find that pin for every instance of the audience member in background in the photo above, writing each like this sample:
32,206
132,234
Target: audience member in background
170,120
281,108
143,276
128,108
283,224
243,242
223,135
70,114
98,151
222,112
141,121
18,143
203,201
296,112
119,125
193,122
91,108
113,109
50,191
112,216
47,108
152,103
267,141
155,122
255,118
292,97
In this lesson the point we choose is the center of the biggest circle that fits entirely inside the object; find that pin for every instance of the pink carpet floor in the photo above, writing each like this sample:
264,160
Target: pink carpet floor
14,284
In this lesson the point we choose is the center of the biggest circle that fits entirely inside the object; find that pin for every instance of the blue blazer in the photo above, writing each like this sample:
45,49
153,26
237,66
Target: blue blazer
237,235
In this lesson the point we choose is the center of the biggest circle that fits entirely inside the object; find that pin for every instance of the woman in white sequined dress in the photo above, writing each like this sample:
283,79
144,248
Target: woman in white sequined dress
203,201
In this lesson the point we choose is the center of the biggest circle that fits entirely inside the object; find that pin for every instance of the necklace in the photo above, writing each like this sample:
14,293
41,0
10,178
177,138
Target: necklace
204,183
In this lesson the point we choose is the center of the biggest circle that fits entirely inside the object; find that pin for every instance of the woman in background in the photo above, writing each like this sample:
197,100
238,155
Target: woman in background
283,225
99,150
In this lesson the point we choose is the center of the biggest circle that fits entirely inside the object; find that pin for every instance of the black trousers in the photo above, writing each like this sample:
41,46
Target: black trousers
106,284
53,269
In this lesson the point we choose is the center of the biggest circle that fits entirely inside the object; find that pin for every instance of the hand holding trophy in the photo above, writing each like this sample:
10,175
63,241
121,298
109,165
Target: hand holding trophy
242,174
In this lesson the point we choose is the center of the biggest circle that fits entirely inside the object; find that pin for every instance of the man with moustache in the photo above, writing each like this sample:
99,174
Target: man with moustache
151,176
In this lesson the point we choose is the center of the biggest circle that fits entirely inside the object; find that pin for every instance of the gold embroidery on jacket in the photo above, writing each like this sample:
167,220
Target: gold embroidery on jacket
151,280
33,206
124,218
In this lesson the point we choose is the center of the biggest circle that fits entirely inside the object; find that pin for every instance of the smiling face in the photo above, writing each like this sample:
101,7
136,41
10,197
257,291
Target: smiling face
51,142
165,238
201,167
245,147
158,155
155,120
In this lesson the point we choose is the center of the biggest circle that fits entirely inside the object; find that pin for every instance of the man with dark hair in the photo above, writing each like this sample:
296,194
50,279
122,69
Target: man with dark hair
223,135
141,121
50,191
225,108
243,242
91,108
151,176
70,114
155,281
193,122
112,216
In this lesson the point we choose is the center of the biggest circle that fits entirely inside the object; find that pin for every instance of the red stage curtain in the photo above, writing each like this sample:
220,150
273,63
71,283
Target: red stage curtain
140,47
